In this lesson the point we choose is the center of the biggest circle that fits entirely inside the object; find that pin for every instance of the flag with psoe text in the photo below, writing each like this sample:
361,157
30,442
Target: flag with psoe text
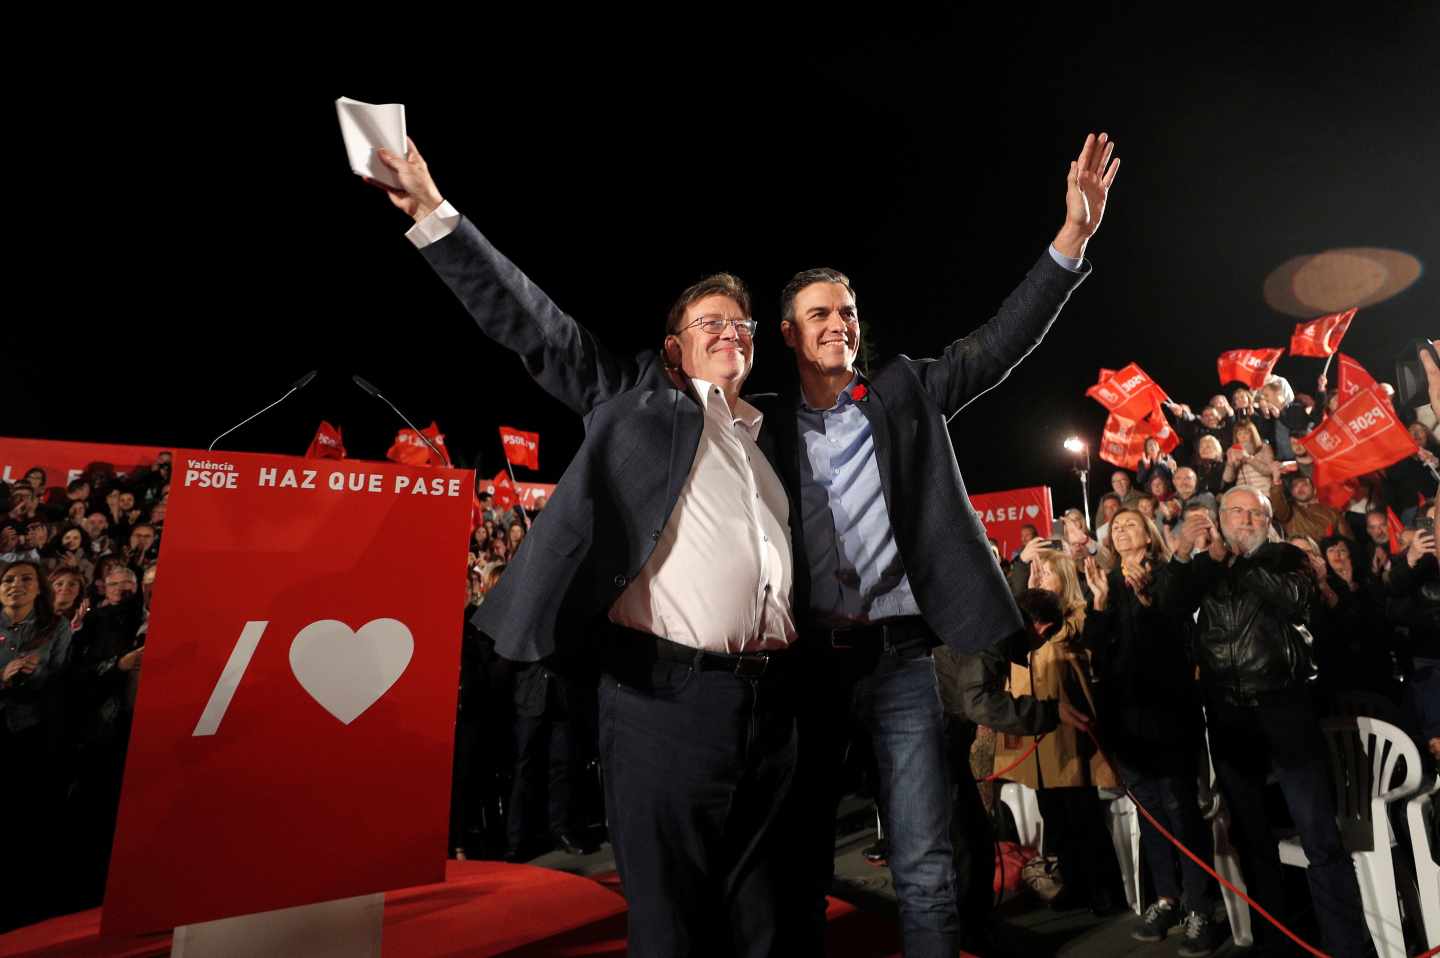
327,444
1122,443
1361,435
1249,366
1129,393
1321,337
521,448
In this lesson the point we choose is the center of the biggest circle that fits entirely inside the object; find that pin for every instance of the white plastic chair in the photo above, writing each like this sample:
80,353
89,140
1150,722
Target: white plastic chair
1025,810
1124,823
1365,753
1227,859
1421,813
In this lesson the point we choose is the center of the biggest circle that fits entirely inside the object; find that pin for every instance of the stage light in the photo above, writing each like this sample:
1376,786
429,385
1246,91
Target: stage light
1074,444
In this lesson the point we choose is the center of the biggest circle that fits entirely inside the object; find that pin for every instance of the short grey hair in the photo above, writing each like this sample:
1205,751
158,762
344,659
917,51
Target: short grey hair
1249,490
124,570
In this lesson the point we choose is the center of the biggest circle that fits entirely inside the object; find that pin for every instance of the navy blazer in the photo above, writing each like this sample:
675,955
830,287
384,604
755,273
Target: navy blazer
957,583
605,516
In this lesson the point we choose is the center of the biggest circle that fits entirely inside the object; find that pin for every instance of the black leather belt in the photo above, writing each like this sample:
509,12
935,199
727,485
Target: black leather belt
907,637
643,648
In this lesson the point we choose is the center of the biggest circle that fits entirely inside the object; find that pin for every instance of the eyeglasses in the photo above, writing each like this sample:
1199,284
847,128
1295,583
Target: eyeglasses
715,325
1256,515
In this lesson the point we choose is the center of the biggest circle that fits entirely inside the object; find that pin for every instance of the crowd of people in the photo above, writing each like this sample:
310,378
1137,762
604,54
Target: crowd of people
1226,566
78,567
723,597
77,578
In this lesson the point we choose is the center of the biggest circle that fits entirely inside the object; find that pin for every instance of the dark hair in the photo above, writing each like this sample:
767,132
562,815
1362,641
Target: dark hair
720,284
1038,605
45,617
806,278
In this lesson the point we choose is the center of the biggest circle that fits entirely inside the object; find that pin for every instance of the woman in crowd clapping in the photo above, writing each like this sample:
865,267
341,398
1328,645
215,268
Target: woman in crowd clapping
1064,768
1151,720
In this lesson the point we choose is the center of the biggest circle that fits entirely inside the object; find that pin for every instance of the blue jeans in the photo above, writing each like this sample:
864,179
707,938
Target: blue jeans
895,703
1283,734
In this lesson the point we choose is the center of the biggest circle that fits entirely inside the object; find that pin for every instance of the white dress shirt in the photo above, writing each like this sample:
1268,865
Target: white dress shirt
722,576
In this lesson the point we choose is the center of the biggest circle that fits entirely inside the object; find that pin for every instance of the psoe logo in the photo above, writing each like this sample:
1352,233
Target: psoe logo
1133,383
1367,420
1109,395
1327,441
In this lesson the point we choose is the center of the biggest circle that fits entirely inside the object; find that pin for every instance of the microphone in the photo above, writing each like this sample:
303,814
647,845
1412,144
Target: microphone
300,384
423,438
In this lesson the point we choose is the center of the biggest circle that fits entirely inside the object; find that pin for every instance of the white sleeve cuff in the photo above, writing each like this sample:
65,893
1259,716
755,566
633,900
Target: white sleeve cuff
439,224
1071,263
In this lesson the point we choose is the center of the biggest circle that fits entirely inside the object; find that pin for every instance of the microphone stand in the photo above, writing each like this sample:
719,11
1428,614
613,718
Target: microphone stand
300,384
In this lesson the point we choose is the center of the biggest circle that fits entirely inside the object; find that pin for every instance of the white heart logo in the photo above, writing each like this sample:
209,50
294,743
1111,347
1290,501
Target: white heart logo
347,671
1032,511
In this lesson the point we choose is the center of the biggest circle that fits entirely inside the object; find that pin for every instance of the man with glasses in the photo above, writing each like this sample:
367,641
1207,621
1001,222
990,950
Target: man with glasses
1253,650
892,561
671,524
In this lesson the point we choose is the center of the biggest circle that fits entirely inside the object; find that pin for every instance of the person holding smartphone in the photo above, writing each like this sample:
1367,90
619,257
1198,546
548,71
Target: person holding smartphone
1414,581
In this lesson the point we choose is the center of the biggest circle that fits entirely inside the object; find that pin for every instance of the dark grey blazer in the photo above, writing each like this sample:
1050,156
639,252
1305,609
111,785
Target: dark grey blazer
641,434
961,592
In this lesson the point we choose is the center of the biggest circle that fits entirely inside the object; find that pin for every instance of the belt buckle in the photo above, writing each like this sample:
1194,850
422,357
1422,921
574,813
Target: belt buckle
751,666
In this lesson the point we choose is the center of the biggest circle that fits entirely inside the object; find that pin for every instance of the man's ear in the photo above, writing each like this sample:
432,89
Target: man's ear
671,351
787,332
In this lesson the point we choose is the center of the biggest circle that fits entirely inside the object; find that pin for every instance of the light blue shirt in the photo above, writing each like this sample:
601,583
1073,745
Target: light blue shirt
856,573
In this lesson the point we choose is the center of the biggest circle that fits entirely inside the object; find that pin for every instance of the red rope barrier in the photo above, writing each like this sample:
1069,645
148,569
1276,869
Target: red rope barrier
1015,764
1210,871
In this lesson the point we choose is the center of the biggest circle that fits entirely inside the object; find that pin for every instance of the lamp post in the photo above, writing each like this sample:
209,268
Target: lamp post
1077,447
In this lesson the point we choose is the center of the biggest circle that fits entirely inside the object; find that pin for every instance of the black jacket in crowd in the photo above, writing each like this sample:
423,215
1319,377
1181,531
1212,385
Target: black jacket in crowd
1148,700
1252,637
1415,603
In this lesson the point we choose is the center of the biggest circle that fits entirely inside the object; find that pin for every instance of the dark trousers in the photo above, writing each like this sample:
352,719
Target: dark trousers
548,763
696,765
1075,834
892,700
1175,803
1283,735
972,836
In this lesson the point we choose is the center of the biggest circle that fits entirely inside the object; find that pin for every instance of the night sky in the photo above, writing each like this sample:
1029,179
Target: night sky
223,248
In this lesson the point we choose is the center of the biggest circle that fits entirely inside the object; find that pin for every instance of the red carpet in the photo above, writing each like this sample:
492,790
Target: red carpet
481,909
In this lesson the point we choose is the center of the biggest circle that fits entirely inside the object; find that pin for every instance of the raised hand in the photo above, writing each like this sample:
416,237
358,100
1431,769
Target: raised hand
1099,584
1087,188
418,195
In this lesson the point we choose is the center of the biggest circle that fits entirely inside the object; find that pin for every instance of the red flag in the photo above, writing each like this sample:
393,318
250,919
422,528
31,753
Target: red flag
1129,393
1362,435
327,443
1123,441
1395,527
1320,337
521,448
410,449
1249,366
504,497
1351,377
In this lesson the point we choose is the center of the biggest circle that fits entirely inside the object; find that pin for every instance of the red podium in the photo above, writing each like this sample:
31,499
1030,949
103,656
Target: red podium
293,733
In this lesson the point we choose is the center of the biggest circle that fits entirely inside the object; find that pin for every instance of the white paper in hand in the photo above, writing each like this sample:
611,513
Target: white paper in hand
368,127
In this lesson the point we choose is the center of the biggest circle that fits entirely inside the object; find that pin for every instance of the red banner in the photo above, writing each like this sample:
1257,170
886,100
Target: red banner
521,448
1249,366
327,444
1005,512
1122,442
502,492
411,450
293,735
65,462
1360,436
1351,377
1130,393
1320,337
